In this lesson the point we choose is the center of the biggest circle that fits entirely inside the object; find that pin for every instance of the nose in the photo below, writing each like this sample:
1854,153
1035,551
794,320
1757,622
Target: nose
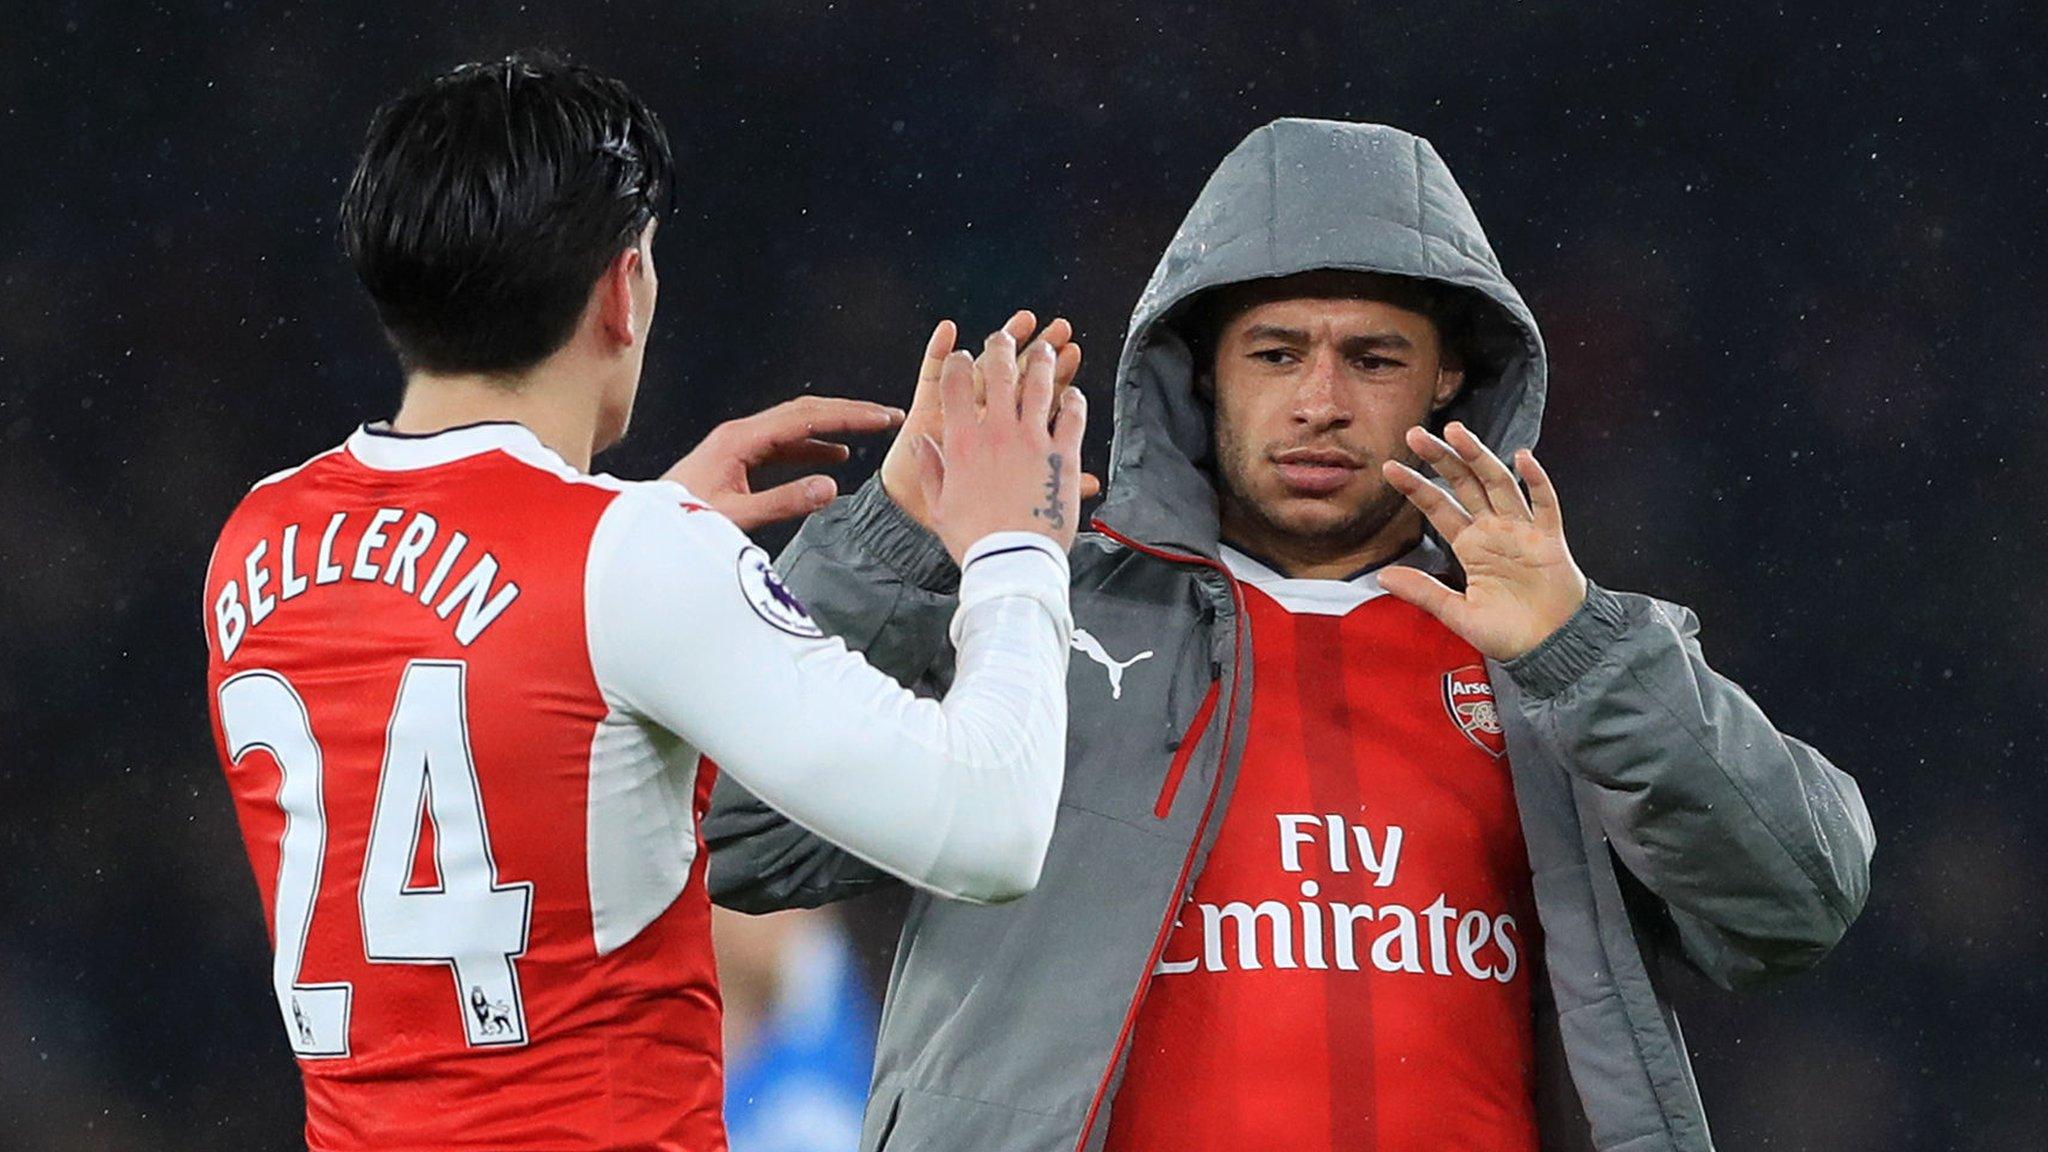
1319,401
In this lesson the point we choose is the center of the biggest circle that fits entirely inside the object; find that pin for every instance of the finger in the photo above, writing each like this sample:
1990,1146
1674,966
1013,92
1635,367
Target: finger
1020,325
1069,425
1068,428
808,453
1542,493
1055,336
1451,467
956,392
1443,513
1068,367
935,350
996,374
1035,391
1091,486
782,502
1501,490
795,421
944,333
1425,592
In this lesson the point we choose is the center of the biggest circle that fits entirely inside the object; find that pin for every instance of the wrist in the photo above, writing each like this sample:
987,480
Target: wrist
903,492
1021,564
898,540
1572,649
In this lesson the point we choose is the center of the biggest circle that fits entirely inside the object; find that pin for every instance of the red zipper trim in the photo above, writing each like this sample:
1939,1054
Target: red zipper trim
1186,751
1123,1035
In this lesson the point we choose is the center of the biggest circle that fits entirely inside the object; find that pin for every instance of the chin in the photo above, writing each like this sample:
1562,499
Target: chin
1341,520
1319,519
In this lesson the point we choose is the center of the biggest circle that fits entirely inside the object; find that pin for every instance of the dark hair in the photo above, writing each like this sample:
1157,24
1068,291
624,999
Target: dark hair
489,200
1202,320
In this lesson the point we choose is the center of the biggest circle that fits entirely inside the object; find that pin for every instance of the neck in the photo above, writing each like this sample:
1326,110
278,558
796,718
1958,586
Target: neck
1311,558
560,410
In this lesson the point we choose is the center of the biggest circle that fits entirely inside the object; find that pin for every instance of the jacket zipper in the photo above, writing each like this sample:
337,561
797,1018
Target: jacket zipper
1174,775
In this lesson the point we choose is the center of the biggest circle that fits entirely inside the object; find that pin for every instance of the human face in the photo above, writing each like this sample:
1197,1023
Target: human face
1312,395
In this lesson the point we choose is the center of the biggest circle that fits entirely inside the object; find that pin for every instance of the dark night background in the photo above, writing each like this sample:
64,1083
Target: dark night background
1788,264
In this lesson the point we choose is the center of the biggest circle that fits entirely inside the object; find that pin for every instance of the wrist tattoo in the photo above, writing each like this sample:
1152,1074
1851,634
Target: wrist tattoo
1055,511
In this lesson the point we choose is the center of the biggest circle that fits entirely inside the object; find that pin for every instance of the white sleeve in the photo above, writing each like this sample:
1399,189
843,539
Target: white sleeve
690,628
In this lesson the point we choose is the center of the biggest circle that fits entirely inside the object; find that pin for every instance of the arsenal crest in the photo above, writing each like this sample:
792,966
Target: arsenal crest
1468,697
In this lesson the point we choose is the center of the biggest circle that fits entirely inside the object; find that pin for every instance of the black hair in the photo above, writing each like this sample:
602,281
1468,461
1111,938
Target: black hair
489,200
1201,321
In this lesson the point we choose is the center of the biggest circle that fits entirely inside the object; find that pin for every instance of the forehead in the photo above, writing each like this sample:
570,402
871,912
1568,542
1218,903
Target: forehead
1332,316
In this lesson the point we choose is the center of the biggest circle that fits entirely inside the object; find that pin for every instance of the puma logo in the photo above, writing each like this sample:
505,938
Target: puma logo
1092,648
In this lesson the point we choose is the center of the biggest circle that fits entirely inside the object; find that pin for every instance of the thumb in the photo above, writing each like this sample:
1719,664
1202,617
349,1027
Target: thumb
782,502
925,413
931,471
1425,592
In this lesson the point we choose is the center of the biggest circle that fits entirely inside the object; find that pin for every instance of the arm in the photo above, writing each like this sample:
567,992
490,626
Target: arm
1759,848
958,796
883,582
871,569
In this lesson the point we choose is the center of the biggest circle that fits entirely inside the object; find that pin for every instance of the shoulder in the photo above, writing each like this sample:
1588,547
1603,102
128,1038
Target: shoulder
656,538
268,501
656,512
284,474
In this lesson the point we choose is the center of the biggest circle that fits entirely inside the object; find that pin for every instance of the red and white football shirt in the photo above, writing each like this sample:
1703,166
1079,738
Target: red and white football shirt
1351,970
465,696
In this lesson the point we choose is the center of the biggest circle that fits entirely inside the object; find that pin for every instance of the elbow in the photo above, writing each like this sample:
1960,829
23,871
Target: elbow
1002,884
1806,928
1007,865
1750,963
1819,913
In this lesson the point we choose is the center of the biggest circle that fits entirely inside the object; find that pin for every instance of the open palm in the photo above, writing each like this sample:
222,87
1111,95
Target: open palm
1521,583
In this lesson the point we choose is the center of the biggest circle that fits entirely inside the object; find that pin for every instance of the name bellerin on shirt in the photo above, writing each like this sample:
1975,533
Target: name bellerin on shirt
409,551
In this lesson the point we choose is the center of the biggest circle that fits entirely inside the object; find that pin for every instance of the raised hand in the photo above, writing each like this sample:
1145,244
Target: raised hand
1521,583
899,469
1009,453
793,432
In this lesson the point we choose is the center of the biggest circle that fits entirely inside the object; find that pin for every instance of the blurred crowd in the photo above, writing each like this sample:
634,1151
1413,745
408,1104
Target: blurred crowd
1788,264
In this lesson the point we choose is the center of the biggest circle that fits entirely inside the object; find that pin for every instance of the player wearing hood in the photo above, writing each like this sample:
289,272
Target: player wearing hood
1379,817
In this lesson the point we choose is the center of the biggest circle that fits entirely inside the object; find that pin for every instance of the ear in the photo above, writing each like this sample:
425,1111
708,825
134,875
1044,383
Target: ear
617,289
1450,380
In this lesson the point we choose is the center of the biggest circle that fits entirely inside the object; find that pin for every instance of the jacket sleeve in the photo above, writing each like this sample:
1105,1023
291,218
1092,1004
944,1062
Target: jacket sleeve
1758,847
879,580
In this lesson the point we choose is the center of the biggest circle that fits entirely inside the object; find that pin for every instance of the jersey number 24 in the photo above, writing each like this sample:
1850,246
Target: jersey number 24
468,921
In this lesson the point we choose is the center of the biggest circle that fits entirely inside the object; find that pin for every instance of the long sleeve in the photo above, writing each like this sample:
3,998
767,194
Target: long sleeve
691,629
882,582
1758,846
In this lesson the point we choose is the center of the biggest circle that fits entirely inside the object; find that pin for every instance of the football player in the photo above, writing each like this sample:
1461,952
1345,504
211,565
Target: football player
1380,818
470,697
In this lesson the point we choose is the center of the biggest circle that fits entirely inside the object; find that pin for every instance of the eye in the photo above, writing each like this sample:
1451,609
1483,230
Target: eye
1375,363
1275,356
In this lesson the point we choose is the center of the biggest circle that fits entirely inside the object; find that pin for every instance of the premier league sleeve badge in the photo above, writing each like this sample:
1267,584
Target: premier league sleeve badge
770,598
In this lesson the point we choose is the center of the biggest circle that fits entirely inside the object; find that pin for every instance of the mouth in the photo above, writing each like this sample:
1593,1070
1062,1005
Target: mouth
1315,471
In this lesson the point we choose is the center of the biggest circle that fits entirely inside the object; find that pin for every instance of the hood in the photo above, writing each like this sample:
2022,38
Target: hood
1298,196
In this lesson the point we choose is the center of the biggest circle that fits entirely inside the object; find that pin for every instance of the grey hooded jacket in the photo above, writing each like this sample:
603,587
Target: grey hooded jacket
1666,818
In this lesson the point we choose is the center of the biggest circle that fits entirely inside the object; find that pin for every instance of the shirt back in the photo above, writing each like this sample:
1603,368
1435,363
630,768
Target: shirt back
483,887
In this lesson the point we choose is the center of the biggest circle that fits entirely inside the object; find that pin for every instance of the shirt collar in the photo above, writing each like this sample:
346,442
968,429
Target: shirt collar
1330,597
378,446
